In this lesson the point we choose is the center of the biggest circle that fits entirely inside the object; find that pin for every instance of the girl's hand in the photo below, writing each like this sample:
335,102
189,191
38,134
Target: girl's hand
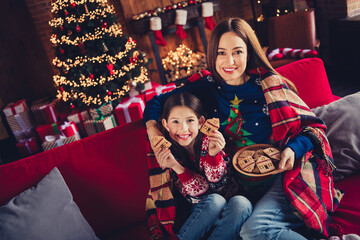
166,160
217,143
287,160
152,131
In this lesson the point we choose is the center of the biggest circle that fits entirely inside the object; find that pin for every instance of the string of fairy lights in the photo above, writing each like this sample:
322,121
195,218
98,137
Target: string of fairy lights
65,96
114,31
58,5
72,88
181,57
80,60
90,15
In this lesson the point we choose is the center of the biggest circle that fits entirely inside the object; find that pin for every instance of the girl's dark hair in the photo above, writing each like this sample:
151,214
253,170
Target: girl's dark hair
188,100
256,55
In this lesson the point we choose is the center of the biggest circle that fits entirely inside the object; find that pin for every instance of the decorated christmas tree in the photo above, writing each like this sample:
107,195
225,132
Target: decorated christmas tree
97,63
234,126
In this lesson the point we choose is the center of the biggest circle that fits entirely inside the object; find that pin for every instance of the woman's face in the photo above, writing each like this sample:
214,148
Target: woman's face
231,59
183,125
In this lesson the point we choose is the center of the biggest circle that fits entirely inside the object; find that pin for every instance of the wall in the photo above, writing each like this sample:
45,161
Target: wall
25,71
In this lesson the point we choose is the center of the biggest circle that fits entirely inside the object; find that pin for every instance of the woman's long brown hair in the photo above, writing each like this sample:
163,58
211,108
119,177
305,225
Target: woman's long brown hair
256,55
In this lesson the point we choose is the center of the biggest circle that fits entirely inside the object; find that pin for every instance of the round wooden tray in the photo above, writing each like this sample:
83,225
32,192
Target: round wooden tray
252,147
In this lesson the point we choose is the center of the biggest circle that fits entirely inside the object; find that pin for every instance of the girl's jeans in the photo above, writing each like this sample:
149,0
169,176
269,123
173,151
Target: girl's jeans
272,218
213,212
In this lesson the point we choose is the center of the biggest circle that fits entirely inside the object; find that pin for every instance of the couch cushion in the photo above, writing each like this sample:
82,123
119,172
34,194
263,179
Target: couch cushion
310,79
44,212
342,119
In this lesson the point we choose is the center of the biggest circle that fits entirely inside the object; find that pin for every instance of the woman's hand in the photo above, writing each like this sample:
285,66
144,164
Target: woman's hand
166,160
217,143
287,160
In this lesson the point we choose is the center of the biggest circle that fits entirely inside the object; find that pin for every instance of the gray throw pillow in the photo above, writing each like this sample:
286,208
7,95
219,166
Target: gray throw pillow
342,119
44,212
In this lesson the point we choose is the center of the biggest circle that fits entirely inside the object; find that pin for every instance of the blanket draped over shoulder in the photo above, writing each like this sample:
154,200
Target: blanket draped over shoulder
309,187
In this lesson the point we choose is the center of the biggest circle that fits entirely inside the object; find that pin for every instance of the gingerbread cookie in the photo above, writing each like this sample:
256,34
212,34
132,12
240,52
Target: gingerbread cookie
210,125
273,153
265,164
246,153
258,153
160,142
247,164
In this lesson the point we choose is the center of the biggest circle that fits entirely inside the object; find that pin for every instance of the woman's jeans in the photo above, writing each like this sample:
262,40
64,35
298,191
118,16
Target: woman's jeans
213,212
272,218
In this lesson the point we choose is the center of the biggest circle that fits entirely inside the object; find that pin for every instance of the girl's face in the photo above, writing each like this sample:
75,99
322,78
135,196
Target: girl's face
183,126
231,59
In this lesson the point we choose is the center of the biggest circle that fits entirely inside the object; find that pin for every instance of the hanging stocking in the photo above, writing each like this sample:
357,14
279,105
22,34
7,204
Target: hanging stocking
180,21
293,53
155,25
207,13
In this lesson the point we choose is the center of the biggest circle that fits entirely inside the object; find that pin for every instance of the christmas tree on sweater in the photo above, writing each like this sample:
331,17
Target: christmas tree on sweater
97,63
234,126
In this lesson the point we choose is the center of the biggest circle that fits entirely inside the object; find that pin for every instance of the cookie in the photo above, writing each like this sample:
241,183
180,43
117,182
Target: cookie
258,153
160,142
246,153
273,153
247,164
210,125
265,164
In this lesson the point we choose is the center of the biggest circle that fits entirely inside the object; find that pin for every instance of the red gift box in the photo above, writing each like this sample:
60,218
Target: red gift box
69,129
49,113
28,147
130,109
48,129
156,91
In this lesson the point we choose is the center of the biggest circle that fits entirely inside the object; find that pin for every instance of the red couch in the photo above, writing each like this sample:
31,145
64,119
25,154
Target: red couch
107,172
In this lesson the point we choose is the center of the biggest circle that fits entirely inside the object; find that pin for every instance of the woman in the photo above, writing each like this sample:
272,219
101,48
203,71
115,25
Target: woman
256,108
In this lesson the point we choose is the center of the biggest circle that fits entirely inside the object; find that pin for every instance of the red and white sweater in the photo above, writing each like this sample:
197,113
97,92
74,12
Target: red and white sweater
213,175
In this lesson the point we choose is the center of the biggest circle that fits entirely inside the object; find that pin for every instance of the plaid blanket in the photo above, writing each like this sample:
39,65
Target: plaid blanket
309,187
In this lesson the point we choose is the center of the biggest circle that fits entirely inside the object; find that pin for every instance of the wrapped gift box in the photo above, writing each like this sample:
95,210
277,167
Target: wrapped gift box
156,91
22,121
28,147
53,141
69,129
47,129
49,112
147,86
15,108
79,119
130,109
95,126
35,109
102,111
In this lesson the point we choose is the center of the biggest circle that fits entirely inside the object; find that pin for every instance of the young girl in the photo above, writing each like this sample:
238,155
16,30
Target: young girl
200,173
